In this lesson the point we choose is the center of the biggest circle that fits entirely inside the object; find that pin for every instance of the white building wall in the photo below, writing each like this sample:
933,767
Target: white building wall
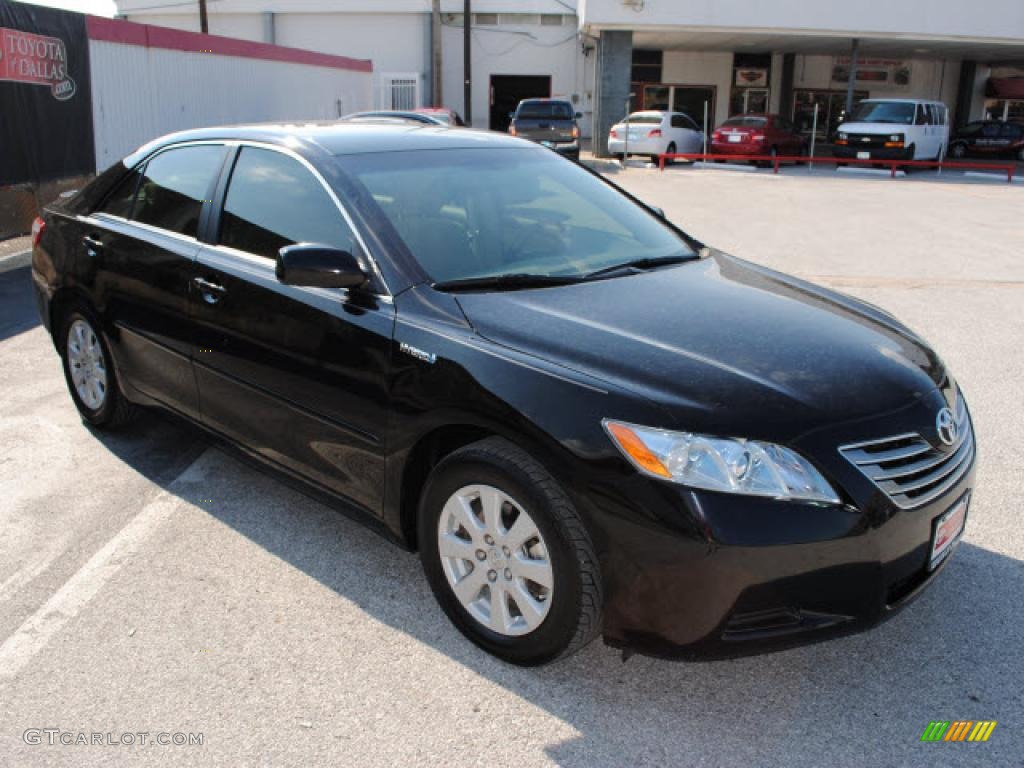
941,19
507,49
141,93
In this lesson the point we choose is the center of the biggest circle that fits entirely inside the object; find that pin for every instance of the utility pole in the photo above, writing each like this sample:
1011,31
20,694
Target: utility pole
435,42
204,22
851,84
467,67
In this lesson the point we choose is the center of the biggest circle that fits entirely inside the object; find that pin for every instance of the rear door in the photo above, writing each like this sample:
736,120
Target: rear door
297,375
141,245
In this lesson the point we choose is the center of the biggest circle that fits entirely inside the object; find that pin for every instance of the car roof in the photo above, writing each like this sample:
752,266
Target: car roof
544,99
334,138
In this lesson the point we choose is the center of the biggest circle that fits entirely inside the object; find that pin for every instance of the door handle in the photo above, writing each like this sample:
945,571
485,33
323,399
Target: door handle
211,292
93,246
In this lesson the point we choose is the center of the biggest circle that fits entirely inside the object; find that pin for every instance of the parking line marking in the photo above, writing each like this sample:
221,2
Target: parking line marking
68,601
31,570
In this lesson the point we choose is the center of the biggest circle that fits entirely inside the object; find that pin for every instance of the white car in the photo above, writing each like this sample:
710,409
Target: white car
656,133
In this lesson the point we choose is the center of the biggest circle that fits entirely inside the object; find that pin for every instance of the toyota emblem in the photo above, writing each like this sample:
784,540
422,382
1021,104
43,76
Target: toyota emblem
946,426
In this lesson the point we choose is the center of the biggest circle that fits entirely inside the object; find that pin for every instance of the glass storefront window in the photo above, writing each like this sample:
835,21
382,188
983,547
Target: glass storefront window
831,110
1004,109
748,101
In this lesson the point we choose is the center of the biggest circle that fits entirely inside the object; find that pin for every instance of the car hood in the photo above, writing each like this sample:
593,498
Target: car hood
725,346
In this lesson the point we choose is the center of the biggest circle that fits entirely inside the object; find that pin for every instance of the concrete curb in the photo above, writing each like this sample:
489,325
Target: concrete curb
15,261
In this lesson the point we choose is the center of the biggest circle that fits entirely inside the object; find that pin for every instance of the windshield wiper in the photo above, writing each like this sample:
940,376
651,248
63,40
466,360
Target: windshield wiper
507,282
628,266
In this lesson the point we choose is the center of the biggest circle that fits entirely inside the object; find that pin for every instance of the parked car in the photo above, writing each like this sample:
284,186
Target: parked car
393,115
654,133
549,122
988,137
586,421
894,129
767,136
449,117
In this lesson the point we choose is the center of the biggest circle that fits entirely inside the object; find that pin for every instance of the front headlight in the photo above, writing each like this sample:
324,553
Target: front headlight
843,136
730,465
896,137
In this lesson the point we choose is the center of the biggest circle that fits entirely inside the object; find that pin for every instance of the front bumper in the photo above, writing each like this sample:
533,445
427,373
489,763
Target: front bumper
735,575
874,153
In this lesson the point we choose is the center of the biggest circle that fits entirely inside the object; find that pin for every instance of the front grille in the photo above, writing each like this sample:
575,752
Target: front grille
866,140
909,469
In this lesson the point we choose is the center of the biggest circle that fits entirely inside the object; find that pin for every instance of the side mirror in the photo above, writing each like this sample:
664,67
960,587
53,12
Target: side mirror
657,211
318,266
511,115
579,115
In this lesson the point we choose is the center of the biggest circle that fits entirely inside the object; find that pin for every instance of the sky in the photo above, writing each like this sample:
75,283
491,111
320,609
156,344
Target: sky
95,7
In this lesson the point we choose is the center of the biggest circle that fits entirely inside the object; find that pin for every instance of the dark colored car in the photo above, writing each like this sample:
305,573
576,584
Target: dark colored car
586,421
394,115
550,122
988,137
449,117
764,135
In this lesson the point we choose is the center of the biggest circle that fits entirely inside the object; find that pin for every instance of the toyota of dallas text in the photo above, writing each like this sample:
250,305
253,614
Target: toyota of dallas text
586,422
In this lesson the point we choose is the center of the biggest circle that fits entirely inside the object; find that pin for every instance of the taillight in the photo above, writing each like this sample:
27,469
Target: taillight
615,134
758,137
653,134
716,136
37,230
512,129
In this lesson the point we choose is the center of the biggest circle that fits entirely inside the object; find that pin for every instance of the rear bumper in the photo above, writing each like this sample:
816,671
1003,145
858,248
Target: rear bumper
745,148
638,147
569,149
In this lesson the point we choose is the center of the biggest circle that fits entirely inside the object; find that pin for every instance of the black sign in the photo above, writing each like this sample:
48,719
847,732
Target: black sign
45,95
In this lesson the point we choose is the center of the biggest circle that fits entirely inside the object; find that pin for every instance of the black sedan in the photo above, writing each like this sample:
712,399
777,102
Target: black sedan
987,138
584,420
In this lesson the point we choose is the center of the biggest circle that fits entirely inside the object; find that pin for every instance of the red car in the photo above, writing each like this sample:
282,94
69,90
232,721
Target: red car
763,135
445,115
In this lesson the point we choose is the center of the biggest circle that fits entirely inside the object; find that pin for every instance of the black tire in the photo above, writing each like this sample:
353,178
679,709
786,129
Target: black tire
574,616
115,411
669,150
958,150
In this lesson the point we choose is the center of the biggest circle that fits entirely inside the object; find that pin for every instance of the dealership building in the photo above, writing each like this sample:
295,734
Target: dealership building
717,58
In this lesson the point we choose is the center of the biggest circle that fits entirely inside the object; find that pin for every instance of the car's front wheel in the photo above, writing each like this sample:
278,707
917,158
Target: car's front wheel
90,373
507,555
958,151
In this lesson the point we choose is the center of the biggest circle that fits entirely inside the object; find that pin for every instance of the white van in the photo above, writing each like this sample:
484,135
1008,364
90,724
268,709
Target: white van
894,129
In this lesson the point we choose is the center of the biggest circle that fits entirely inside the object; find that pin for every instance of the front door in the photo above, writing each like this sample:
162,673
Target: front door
298,375
142,244
508,90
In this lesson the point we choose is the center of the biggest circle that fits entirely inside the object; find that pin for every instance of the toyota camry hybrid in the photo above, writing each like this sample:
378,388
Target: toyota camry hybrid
584,420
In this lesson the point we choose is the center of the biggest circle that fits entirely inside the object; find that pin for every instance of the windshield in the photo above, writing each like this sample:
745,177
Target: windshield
545,110
467,213
884,112
747,122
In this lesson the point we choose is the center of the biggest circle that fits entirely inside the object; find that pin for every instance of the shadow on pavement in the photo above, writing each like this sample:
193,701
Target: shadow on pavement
19,308
864,700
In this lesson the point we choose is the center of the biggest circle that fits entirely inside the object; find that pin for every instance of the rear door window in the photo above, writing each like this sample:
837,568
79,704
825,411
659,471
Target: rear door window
273,201
175,185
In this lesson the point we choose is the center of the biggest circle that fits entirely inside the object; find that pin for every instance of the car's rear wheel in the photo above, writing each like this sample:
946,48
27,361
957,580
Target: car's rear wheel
669,150
958,151
89,372
507,555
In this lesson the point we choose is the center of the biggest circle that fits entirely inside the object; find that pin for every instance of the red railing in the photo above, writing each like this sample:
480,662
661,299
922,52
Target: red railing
1009,168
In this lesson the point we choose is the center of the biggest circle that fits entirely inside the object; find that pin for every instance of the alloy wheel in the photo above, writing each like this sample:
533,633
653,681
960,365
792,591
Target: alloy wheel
495,560
87,365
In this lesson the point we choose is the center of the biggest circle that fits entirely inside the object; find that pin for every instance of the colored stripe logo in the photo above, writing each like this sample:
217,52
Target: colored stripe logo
958,730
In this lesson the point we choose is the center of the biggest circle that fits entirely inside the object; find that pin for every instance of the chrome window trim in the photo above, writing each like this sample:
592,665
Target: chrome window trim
109,218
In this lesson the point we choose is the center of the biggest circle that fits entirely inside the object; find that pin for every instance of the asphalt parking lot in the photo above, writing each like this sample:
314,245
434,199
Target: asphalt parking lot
152,583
